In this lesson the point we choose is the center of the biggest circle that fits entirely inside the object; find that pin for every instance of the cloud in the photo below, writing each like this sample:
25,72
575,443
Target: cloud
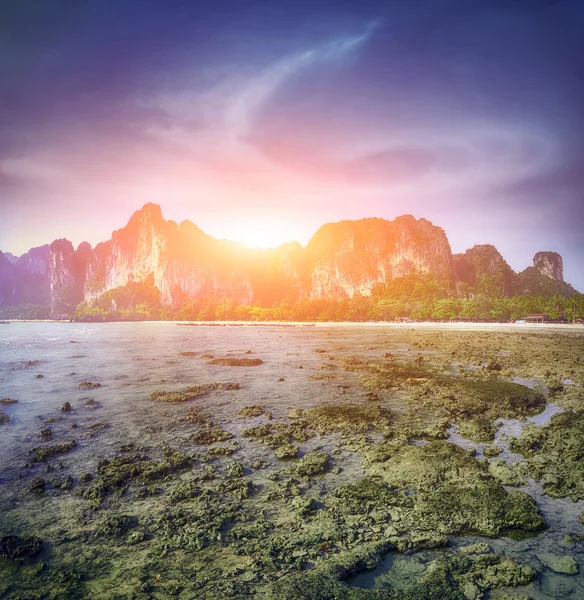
227,111
30,168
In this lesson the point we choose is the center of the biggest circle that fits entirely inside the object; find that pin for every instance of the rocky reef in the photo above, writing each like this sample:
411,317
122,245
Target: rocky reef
300,488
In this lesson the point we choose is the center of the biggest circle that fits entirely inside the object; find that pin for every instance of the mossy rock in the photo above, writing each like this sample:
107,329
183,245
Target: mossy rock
313,464
237,362
491,450
506,474
251,411
478,430
20,547
286,452
554,454
454,493
210,435
40,454
346,418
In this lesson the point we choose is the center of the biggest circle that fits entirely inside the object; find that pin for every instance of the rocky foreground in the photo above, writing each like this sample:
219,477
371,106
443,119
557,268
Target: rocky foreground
299,464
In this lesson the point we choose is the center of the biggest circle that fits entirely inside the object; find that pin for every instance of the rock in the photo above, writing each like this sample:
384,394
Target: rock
4,418
313,464
251,411
46,434
478,548
491,450
506,474
42,453
549,264
37,485
235,469
237,362
286,451
15,547
7,401
484,262
66,407
559,564
88,385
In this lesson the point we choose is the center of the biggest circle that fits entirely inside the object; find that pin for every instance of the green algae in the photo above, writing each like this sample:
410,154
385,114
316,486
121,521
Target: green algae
210,435
453,576
40,454
237,362
88,385
276,435
313,464
554,454
492,450
24,547
115,473
286,451
253,410
207,532
345,418
454,493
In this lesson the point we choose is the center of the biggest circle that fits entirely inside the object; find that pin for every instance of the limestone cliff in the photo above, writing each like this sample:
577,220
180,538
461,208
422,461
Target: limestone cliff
183,263
483,270
67,269
350,257
31,277
7,282
549,264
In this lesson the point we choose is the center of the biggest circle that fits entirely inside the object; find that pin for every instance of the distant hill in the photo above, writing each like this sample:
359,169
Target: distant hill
184,264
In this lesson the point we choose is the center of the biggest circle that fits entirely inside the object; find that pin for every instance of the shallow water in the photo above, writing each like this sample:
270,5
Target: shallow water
130,360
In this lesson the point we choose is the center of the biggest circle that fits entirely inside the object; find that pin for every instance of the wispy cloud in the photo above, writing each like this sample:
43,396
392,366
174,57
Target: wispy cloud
243,108
228,110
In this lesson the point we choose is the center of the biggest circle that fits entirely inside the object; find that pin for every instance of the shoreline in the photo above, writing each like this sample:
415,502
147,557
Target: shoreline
389,324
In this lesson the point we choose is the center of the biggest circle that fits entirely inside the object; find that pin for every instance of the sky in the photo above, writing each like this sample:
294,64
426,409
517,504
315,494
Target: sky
261,121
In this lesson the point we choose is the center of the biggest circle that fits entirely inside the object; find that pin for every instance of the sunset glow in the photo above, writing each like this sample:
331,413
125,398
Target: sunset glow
258,232
301,114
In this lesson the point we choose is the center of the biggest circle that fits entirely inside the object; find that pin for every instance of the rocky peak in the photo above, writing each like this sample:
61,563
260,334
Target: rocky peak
484,269
350,257
550,264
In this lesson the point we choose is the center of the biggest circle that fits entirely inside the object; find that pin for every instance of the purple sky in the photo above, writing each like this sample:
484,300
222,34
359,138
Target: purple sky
261,121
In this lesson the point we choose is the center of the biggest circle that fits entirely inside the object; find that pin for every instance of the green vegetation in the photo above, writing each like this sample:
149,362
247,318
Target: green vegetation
415,297
135,301
33,312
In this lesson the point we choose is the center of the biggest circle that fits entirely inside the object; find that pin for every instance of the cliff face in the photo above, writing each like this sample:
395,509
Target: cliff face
549,264
183,263
350,257
7,283
484,270
31,277
67,270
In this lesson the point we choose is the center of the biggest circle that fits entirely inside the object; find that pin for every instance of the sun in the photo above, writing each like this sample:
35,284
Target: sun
258,232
